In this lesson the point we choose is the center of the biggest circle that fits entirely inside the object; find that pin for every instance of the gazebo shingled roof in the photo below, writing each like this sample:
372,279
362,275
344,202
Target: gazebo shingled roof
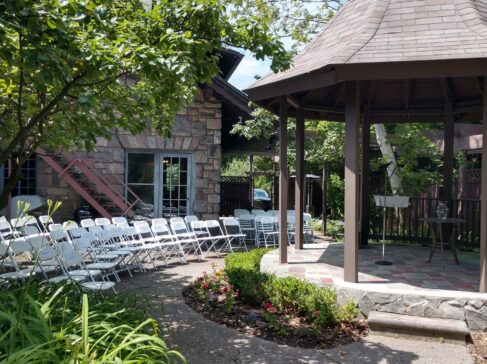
390,41
380,61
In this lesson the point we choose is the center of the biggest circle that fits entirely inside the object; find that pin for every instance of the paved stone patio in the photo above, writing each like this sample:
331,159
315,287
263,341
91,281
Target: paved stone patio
323,263
410,286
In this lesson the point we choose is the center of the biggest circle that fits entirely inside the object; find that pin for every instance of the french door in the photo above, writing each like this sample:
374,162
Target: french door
162,180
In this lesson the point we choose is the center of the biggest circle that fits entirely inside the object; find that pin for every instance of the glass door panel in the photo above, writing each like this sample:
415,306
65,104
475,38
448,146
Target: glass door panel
175,183
141,176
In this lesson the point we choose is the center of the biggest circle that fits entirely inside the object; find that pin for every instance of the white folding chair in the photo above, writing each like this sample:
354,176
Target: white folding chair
267,231
247,225
188,219
234,232
70,224
119,220
102,221
188,240
74,266
45,220
239,212
86,223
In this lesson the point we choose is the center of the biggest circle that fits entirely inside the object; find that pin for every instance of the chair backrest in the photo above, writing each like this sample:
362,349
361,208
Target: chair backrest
68,254
17,222
102,221
239,212
258,212
306,217
87,223
176,219
143,229
188,219
31,220
81,244
231,226
160,229
3,218
119,220
19,245
199,227
37,242
213,227
247,221
78,232
273,212
30,230
5,229
45,220
54,227
59,235
267,223
179,227
159,221
70,224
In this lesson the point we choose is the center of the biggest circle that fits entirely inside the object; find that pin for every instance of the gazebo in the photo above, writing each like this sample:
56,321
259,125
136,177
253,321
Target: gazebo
381,61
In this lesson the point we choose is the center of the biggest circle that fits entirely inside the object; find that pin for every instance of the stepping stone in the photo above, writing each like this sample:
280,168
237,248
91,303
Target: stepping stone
452,330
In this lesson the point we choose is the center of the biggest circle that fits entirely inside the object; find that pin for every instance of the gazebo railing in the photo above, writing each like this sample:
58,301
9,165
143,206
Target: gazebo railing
406,225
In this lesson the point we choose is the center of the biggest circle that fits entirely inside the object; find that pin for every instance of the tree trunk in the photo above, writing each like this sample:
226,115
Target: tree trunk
9,186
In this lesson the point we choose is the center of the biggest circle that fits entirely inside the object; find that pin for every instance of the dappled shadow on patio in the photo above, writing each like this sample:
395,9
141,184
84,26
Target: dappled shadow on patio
323,263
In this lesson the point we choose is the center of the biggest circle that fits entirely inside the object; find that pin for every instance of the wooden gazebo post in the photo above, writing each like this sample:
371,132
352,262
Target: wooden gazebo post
300,181
483,195
283,179
352,127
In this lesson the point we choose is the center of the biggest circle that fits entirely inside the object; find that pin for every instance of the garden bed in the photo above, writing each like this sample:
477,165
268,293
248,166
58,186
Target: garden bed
284,310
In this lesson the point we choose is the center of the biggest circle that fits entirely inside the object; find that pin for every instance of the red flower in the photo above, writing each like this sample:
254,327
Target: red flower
316,314
225,289
267,305
272,309
204,285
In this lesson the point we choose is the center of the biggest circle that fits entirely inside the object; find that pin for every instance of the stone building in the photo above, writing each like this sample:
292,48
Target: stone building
179,175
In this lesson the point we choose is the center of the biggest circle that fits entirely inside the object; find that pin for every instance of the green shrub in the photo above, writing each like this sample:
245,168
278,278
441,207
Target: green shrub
58,324
335,229
296,296
289,295
243,271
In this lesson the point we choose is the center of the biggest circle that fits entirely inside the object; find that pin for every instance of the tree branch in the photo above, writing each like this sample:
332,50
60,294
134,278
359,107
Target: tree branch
24,131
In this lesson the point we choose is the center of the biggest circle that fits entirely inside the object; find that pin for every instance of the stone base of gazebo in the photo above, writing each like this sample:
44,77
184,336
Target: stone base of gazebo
410,286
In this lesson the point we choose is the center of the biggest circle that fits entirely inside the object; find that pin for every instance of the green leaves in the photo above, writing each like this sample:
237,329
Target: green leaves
72,70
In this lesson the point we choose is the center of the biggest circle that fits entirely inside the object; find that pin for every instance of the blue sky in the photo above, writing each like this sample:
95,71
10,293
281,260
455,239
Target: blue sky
245,73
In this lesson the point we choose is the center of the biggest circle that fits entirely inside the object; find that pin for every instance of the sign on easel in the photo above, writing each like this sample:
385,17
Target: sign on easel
385,202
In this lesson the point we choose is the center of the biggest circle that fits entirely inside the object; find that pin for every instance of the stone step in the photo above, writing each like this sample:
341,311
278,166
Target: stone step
448,329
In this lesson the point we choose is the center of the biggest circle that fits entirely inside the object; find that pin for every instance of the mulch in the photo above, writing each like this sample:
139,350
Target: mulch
295,331
478,347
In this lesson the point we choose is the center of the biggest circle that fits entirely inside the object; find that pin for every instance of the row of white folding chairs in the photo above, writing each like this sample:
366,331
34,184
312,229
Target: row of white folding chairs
264,228
15,227
179,229
62,259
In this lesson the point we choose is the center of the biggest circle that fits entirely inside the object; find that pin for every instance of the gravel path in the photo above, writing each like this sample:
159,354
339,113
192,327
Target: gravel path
205,342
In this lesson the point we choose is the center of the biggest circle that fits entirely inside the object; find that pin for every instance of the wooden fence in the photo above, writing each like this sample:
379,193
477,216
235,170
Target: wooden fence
406,225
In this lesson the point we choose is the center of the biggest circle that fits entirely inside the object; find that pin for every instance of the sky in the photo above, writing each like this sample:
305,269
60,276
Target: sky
245,73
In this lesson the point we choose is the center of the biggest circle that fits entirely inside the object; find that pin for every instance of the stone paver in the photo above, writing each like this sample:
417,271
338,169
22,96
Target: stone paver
203,341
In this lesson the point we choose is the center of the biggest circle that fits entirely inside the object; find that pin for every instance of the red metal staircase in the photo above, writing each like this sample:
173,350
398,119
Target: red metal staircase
95,189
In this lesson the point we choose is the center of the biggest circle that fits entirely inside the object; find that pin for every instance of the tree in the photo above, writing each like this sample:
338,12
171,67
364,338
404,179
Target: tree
72,70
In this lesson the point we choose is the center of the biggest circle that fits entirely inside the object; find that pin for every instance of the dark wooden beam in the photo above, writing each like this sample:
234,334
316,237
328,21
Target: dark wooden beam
407,87
352,127
283,179
300,181
314,80
483,198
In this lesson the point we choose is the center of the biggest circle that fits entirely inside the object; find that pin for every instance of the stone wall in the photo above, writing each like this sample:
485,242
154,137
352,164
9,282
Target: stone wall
470,307
196,130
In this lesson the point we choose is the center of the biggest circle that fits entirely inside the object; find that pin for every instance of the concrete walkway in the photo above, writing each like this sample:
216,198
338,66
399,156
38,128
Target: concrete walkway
205,342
